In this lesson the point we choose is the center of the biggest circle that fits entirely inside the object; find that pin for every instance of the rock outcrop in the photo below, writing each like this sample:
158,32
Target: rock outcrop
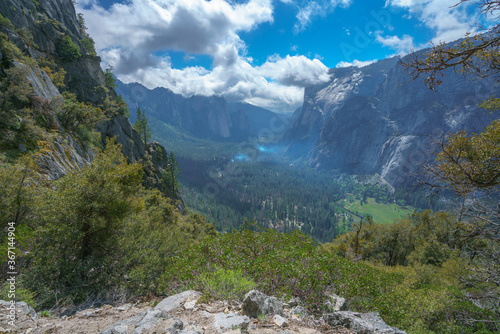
256,303
40,29
376,119
361,323
184,314
61,156
49,22
120,127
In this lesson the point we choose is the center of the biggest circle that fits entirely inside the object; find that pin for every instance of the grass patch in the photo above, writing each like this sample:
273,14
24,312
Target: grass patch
380,212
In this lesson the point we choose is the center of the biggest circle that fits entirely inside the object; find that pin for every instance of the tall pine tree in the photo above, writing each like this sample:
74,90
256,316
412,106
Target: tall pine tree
169,183
142,127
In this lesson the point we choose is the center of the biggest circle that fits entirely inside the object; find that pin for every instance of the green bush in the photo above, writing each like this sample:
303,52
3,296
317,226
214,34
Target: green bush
110,80
279,263
291,264
225,284
88,44
5,22
68,49
27,37
21,294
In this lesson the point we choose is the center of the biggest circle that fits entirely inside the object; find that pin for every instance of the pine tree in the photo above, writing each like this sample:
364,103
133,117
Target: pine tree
142,127
169,183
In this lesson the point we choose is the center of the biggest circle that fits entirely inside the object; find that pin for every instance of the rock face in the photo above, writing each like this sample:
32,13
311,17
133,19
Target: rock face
376,119
361,323
119,126
201,116
41,83
62,156
49,22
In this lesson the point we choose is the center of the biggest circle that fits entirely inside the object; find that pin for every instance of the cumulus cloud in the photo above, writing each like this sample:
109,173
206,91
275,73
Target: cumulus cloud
130,36
294,71
402,46
240,82
193,26
447,21
355,63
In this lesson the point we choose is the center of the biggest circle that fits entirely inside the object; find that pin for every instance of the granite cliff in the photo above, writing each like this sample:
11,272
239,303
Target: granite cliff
377,120
207,117
50,31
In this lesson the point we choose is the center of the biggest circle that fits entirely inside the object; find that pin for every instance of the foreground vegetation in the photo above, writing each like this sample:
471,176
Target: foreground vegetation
293,265
92,233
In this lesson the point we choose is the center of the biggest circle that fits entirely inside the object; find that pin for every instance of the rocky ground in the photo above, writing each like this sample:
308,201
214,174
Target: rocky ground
182,314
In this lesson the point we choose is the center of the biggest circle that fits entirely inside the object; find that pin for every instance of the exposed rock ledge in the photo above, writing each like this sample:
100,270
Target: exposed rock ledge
181,314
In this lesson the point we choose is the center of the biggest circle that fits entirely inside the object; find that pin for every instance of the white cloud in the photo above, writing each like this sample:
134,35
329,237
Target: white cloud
142,27
268,86
294,71
310,10
135,36
306,14
447,21
402,46
128,36
356,63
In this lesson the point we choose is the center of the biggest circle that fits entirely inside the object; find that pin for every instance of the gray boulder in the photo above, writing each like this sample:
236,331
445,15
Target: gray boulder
257,303
157,316
150,319
171,303
335,303
176,327
280,321
122,326
20,308
361,323
224,321
299,310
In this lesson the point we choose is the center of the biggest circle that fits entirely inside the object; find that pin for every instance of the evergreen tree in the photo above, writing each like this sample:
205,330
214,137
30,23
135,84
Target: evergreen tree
142,127
169,183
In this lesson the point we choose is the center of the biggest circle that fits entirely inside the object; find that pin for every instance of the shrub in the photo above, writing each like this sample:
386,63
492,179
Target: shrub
291,264
74,249
78,117
88,44
225,284
5,22
279,264
68,49
27,37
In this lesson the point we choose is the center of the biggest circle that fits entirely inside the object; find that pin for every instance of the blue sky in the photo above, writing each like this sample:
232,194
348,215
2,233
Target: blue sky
263,52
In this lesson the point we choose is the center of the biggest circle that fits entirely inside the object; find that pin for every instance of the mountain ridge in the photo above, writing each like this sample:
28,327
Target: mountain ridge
207,117
378,120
